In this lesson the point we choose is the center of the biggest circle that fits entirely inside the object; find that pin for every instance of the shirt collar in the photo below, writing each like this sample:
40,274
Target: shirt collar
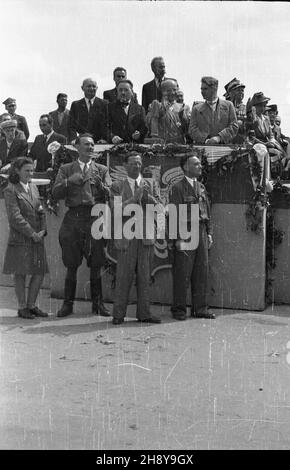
90,99
48,136
212,103
82,164
25,186
190,180
132,180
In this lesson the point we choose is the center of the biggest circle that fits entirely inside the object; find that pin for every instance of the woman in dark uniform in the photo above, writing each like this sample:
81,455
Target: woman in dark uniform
25,254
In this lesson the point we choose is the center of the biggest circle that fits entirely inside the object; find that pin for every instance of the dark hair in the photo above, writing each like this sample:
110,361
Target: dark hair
185,158
126,81
121,69
17,165
61,95
131,154
48,117
86,134
154,60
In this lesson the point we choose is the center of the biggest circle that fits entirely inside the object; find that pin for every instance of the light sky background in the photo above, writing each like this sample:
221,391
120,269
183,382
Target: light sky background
50,46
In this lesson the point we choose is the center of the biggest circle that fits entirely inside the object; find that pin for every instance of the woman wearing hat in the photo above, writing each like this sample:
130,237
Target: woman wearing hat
25,254
12,143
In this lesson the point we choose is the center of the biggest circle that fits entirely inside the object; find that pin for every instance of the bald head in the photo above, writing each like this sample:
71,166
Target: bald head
89,88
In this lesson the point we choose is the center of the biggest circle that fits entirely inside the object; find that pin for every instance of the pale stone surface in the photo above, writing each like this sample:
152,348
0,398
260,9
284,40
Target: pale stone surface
82,383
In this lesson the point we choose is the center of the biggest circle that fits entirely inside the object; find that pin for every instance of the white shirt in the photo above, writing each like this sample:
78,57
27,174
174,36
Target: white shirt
25,186
126,109
91,100
132,182
190,180
213,104
48,136
82,164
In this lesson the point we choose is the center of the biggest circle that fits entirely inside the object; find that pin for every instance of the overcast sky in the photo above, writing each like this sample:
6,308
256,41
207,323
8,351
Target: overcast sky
49,46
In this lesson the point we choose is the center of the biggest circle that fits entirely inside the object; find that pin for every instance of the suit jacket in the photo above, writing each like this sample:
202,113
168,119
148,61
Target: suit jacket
80,121
150,92
22,124
205,123
183,193
63,127
18,148
25,213
111,96
90,191
122,189
124,125
40,153
262,128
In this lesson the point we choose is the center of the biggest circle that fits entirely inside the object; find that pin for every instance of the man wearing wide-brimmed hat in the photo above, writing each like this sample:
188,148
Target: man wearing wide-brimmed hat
10,106
260,124
11,144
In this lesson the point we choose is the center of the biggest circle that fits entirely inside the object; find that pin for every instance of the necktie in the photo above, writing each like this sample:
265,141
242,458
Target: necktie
135,186
195,187
89,105
85,170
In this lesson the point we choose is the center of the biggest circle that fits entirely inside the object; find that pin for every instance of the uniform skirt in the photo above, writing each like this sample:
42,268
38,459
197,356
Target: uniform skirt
28,259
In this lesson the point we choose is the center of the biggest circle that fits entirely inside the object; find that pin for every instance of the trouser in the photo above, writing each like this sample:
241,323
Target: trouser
191,267
136,259
32,292
76,243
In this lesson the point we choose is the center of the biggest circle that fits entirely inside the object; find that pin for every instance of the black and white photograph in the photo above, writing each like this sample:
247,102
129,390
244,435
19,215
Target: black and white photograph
144,228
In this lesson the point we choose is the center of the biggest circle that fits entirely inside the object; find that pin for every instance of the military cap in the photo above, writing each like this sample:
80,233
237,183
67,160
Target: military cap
9,123
210,81
9,101
259,98
235,83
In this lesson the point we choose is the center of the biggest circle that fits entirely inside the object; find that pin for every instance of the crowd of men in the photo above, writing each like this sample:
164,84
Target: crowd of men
118,118
163,117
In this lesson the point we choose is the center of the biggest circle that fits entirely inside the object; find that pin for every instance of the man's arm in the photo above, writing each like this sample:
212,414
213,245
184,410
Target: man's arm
72,122
198,136
25,127
59,190
228,133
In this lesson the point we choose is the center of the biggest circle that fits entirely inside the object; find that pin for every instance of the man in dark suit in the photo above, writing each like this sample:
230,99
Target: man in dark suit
134,254
87,110
190,265
10,106
60,116
82,183
127,122
111,95
152,90
12,142
214,121
38,151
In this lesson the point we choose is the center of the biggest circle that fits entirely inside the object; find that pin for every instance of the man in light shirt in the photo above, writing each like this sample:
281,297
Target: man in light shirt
214,121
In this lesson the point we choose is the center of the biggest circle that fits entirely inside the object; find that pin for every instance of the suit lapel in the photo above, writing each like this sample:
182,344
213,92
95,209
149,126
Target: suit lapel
24,195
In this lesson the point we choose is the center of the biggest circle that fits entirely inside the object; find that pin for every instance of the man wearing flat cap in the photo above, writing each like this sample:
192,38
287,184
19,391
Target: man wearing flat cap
214,121
12,145
10,106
